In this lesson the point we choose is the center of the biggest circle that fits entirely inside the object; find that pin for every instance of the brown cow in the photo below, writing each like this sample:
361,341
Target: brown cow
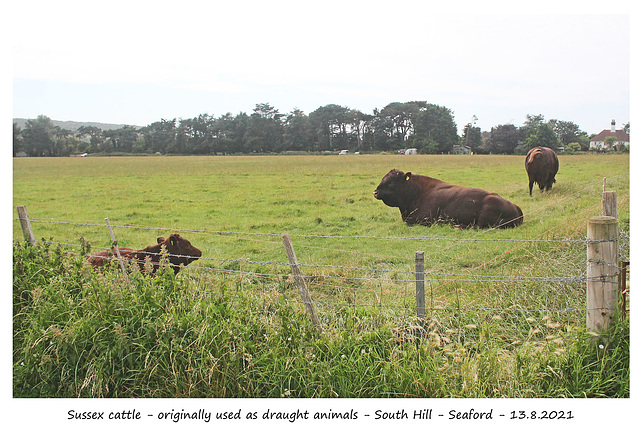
425,200
541,164
179,252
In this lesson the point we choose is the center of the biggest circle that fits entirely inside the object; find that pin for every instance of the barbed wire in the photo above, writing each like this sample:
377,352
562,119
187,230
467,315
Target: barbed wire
431,277
356,237
402,304
441,275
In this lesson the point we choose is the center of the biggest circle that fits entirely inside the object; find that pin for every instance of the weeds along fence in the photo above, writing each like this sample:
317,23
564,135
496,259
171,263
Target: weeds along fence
507,292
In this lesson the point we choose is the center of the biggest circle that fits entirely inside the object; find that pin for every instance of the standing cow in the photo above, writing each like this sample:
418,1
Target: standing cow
541,164
180,251
425,200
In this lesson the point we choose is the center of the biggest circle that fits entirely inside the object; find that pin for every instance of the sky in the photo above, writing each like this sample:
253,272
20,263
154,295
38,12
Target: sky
137,62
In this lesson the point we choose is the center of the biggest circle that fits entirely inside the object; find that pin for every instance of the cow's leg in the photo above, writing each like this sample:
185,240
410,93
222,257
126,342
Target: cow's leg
549,184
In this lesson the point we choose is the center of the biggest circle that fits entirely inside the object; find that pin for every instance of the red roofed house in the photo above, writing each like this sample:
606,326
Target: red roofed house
622,139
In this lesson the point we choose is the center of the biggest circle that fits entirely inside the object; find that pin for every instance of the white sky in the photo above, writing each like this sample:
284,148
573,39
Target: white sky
136,62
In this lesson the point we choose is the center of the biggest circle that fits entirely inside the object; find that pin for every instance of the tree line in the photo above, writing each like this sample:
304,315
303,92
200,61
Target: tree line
429,128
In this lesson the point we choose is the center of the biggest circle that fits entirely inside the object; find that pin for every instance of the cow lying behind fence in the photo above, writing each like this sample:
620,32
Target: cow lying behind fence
178,249
425,200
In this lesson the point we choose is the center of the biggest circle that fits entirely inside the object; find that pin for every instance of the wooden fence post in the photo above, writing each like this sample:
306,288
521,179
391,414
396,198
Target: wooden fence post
25,224
602,271
420,309
299,280
609,204
114,247
622,284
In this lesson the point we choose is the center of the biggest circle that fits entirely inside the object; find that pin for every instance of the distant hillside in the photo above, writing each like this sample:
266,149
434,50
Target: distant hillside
74,126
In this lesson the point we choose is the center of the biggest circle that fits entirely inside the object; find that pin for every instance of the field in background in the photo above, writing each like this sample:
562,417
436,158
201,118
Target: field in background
324,195
236,208
515,292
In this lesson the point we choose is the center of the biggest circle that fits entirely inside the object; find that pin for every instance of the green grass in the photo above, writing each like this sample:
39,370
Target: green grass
78,333
221,333
300,195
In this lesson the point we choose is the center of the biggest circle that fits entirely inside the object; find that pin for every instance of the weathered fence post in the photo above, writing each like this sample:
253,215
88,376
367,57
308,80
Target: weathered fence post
609,204
602,271
114,247
420,309
299,280
25,224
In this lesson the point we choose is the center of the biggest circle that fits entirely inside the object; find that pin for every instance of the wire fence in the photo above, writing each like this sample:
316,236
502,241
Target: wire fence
536,302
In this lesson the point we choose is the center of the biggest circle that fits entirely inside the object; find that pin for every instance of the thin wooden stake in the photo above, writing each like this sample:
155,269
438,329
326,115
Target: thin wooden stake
25,224
420,309
609,204
299,280
114,247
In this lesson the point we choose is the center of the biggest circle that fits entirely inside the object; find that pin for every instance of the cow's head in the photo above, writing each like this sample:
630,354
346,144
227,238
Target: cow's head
175,244
393,187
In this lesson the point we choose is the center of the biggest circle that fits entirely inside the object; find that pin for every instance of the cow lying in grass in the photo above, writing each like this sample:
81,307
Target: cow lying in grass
424,200
179,251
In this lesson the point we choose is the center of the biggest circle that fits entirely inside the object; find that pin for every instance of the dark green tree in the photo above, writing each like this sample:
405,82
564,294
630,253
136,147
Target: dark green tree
401,118
95,136
230,132
435,130
380,132
297,131
542,135
17,139
264,130
504,139
120,140
38,137
195,135
569,132
159,136
331,127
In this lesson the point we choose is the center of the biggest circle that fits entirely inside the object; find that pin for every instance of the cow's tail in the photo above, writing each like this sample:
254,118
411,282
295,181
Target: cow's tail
533,154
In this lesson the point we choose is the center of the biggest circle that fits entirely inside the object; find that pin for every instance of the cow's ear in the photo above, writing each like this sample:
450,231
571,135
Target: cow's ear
160,240
407,176
174,239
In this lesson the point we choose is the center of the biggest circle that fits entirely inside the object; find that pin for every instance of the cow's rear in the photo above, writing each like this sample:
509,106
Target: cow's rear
498,212
542,165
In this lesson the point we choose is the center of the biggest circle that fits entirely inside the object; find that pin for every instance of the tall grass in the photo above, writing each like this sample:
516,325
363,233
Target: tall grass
79,333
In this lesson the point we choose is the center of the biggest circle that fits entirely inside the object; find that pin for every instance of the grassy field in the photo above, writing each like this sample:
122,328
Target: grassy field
233,199
296,195
489,317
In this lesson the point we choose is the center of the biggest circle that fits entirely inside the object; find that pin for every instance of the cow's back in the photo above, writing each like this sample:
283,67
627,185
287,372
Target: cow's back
541,164
462,206
104,257
473,207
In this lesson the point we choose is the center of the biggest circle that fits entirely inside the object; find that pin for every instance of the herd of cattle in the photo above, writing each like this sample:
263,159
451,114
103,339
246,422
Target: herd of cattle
422,200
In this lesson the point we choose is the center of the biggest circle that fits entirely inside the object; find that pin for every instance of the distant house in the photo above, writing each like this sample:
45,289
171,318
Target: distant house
21,154
622,139
461,149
